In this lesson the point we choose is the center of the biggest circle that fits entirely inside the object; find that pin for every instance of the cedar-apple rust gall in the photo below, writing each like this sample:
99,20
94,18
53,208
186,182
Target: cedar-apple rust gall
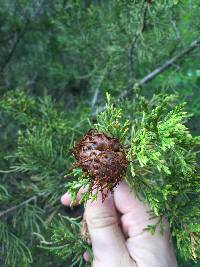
102,158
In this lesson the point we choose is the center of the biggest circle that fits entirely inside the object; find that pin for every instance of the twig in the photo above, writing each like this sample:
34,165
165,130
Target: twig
6,171
33,198
100,81
95,96
17,206
194,45
173,22
133,44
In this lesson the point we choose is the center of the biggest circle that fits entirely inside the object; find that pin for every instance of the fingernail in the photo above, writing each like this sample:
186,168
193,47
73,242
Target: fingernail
86,256
65,199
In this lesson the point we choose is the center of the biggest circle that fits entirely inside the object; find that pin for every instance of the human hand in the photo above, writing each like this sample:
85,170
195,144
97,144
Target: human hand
116,228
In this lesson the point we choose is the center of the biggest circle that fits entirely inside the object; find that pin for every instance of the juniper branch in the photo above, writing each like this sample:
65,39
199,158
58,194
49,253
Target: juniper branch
149,77
33,198
134,42
194,45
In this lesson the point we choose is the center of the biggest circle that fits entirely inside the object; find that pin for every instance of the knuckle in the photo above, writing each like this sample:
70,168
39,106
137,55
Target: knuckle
100,219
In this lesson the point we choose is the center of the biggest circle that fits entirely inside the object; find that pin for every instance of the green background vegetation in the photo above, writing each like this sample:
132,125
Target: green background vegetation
57,61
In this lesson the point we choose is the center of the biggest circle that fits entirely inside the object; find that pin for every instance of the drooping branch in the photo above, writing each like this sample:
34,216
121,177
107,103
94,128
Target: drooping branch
133,43
24,203
149,77
18,206
194,45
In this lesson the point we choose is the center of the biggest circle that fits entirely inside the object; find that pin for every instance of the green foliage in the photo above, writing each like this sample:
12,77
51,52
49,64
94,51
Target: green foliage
17,251
111,122
57,60
80,180
163,168
67,241
163,162
158,133
3,193
38,167
19,103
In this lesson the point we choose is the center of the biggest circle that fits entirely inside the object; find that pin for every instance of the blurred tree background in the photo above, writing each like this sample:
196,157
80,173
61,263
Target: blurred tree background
57,60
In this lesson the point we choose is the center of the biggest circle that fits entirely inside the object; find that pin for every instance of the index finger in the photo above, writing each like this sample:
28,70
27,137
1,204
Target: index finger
66,201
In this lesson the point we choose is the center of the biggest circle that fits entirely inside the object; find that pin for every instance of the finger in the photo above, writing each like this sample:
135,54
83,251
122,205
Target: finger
135,213
142,245
86,256
66,200
108,242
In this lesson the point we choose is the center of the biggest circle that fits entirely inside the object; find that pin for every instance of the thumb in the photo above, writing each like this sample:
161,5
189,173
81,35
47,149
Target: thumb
108,242
147,249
